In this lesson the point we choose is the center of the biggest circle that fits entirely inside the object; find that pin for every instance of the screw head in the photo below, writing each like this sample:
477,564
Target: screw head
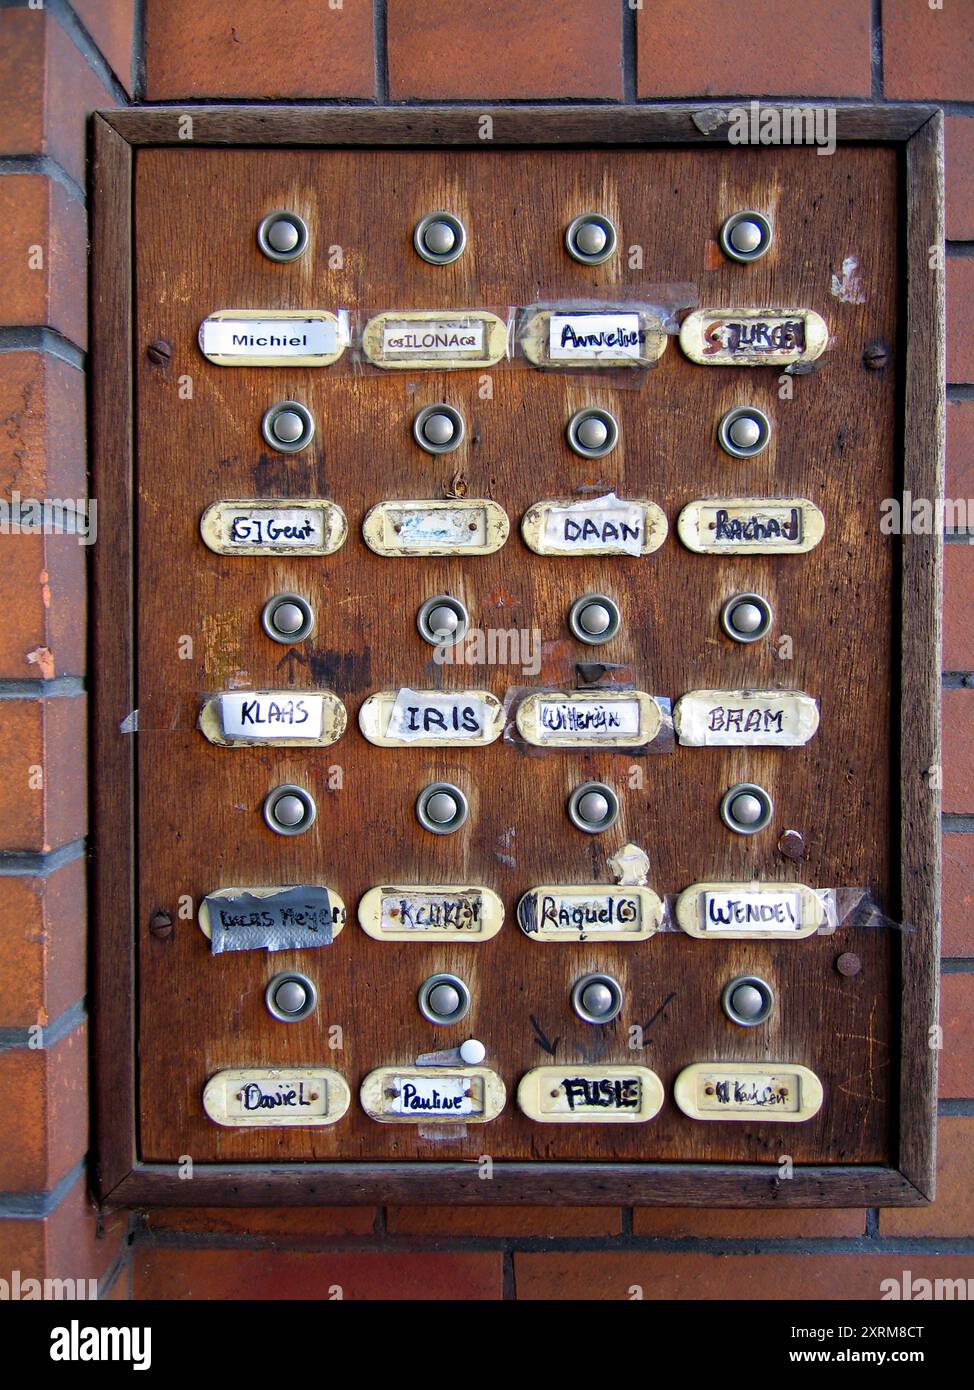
848,964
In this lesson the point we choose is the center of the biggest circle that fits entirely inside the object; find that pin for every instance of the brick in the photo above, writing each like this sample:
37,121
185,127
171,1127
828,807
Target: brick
282,1223
928,52
713,48
848,1278
564,48
48,735
47,90
960,320
167,1273
958,750
36,212
952,1214
958,896
957,1021
728,1223
959,149
44,1098
301,48
73,1242
960,454
504,1221
958,597
111,24
42,945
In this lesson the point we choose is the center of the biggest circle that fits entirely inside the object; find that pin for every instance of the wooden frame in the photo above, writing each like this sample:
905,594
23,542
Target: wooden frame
121,1178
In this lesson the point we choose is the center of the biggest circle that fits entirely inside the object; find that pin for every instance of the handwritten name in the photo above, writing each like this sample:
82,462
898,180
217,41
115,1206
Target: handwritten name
754,335
256,1098
730,719
253,531
757,527
607,1094
591,912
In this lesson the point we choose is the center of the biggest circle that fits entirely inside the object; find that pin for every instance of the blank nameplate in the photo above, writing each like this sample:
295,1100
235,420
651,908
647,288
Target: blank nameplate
780,1092
592,338
455,526
589,719
445,1095
297,526
751,525
277,1098
265,337
753,337
418,339
606,525
589,912
573,1095
745,718
430,912
750,911
300,719
431,718
271,919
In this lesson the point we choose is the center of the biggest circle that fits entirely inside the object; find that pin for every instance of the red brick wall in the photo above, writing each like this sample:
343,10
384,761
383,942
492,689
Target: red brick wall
60,62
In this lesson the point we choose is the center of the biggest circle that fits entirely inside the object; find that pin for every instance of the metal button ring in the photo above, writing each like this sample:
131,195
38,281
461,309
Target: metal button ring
282,236
290,997
287,618
288,427
747,1000
442,621
439,238
444,999
744,432
746,808
746,236
438,429
746,617
593,807
594,618
597,998
590,238
441,808
592,432
289,810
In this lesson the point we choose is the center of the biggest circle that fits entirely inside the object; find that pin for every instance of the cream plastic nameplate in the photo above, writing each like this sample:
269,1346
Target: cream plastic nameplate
440,338
751,525
753,337
607,525
430,912
299,719
430,718
275,1097
296,526
416,1095
281,918
780,1092
745,718
570,1095
589,912
589,719
592,338
454,526
265,337
750,911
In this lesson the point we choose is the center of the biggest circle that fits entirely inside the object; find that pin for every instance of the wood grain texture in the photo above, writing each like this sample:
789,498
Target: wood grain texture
200,826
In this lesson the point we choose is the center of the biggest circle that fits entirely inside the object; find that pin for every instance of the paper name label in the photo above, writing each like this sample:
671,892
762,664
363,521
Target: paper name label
435,528
446,338
615,719
753,337
595,719
590,1094
745,719
240,337
589,912
425,718
605,525
748,1091
753,911
310,527
758,912
751,526
271,919
421,339
449,1096
238,718
276,1098
588,337
416,1095
430,912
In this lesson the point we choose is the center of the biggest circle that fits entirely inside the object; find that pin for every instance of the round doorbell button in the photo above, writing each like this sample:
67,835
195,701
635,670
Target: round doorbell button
439,238
746,236
289,810
282,236
590,238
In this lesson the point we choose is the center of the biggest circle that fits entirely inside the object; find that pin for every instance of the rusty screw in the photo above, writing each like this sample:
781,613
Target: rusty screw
160,925
159,353
848,963
876,356
792,844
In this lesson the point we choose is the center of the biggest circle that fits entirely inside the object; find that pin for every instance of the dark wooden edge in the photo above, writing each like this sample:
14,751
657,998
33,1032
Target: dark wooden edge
111,648
460,1184
121,1180
922,599
684,122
